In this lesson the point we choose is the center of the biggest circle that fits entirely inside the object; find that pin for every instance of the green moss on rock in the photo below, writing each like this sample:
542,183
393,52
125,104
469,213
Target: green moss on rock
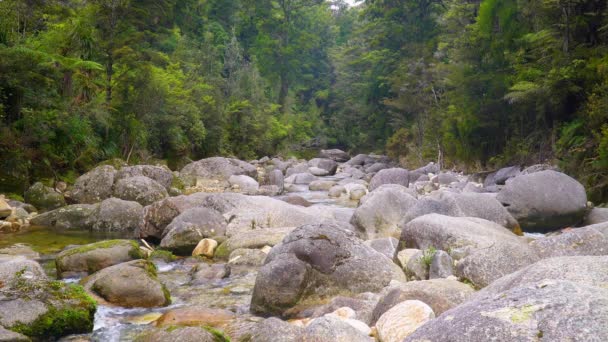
163,255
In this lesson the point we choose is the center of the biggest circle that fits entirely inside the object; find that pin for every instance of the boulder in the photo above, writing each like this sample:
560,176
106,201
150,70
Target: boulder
551,310
246,257
275,177
204,273
386,246
444,179
114,215
95,185
321,185
360,159
39,308
544,201
161,174
17,204
325,164
596,215
417,267
501,176
361,307
130,284
402,320
440,294
301,178
252,239
539,168
191,226
586,270
218,168
441,265
332,329
315,171
577,241
319,259
88,259
296,200
276,330
140,189
43,197
335,155
429,168
376,167
381,211
447,203
76,216
390,176
600,227
483,251
13,267
11,336
336,191
245,184
159,215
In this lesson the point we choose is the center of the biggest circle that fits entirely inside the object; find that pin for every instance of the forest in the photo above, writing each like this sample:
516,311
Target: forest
470,84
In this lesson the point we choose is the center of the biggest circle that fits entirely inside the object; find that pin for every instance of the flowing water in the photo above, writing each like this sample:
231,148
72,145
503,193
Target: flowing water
121,324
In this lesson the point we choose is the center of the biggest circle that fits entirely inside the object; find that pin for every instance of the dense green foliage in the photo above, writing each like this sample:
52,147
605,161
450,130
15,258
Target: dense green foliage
469,82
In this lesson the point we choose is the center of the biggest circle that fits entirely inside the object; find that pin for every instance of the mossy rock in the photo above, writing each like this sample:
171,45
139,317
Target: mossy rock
47,310
93,257
117,163
44,197
163,255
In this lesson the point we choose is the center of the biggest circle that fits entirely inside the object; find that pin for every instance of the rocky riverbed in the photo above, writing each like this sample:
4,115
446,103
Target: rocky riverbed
330,249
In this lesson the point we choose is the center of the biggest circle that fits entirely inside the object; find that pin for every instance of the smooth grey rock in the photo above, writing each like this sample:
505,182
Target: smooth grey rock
441,265
429,168
545,200
246,257
159,215
246,184
116,215
321,185
360,159
326,164
161,174
190,227
382,210
219,168
550,310
376,167
596,215
336,191
319,259
386,246
390,176
483,206
297,168
140,189
21,311
301,178
440,294
483,250
129,284
204,273
275,177
76,216
539,167
335,155
88,259
416,267
578,241
95,185
363,305
586,270
252,239
444,178
11,266
501,176
276,330
332,329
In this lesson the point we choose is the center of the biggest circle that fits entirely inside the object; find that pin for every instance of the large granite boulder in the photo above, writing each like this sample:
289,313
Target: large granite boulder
129,284
252,239
402,320
548,310
319,260
335,155
332,329
219,168
95,185
501,176
190,227
13,267
577,241
161,174
76,216
544,201
115,215
140,189
381,211
325,164
440,294
390,176
245,184
483,251
586,270
88,259
447,203
43,197
159,215
596,215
